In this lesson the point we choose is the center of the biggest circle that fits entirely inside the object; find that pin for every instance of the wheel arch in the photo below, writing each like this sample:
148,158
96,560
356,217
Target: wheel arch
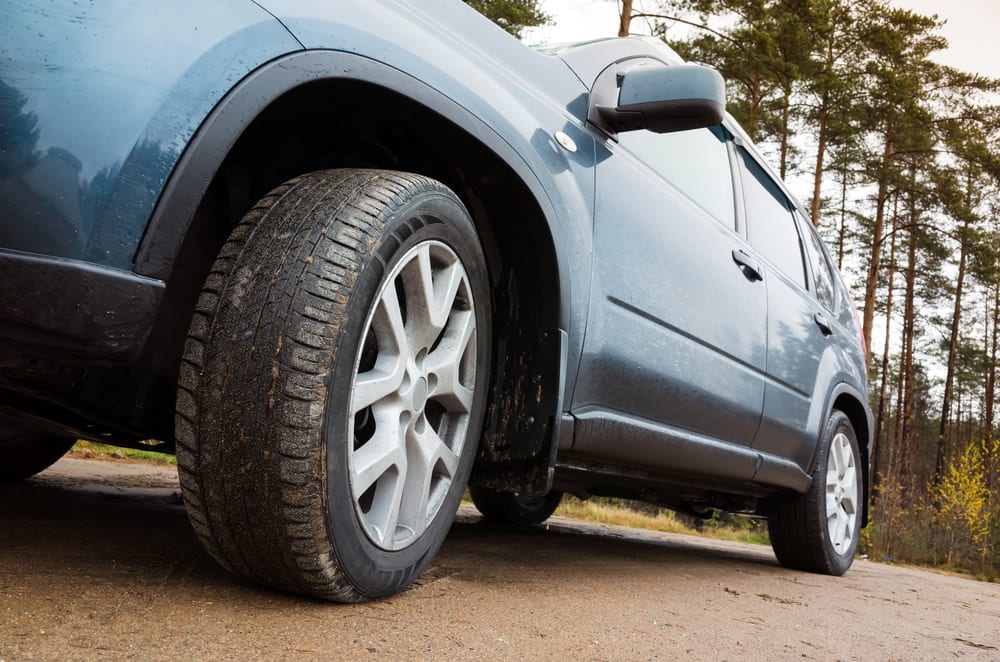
263,133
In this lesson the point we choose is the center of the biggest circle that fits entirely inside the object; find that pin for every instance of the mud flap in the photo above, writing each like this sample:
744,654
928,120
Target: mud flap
521,431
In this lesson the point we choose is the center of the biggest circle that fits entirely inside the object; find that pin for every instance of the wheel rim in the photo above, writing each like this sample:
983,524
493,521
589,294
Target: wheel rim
841,494
412,395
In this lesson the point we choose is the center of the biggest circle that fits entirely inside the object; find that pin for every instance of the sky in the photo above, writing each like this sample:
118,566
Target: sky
970,28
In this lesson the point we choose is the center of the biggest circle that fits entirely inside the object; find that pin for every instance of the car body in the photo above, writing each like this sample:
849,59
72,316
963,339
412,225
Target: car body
666,324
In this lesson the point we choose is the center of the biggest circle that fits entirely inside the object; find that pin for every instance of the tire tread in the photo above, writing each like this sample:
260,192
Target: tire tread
277,295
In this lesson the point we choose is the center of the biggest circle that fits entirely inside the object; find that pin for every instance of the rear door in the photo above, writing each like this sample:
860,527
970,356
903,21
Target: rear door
798,324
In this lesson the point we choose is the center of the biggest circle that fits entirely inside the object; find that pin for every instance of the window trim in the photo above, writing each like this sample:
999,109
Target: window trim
738,226
791,206
834,308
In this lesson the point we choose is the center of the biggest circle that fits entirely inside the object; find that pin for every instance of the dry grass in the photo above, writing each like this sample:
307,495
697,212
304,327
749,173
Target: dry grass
618,512
603,512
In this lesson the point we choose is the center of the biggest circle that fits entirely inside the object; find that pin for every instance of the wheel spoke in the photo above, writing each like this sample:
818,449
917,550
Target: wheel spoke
838,528
388,325
445,362
445,459
446,286
429,458
418,283
372,386
383,517
413,511
850,493
430,294
370,462
832,477
842,455
831,504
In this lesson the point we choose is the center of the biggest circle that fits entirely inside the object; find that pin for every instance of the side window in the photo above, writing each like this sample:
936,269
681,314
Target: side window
696,162
770,220
822,271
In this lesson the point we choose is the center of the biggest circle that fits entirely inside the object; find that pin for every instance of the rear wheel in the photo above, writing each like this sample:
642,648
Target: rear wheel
514,508
24,452
818,531
333,384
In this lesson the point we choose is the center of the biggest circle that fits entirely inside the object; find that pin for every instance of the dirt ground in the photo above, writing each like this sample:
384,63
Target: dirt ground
97,561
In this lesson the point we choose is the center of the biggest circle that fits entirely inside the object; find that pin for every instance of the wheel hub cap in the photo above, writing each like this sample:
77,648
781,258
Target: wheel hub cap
412,395
842,494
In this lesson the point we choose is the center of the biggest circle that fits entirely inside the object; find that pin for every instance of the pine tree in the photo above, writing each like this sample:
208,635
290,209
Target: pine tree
512,15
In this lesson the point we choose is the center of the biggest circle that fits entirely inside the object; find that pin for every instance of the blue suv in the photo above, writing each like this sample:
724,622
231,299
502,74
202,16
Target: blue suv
345,259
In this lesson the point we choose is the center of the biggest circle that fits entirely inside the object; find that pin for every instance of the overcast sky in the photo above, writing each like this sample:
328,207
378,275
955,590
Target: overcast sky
971,28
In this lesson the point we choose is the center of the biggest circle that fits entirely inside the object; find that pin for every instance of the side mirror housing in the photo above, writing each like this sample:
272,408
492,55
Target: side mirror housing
660,98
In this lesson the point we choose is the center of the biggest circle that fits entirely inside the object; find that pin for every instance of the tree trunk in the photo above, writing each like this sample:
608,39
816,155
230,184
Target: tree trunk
785,111
754,101
991,381
842,235
904,430
883,390
949,380
625,22
824,119
991,368
871,284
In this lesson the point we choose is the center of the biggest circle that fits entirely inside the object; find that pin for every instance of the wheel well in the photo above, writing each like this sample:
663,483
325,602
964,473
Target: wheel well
348,123
855,411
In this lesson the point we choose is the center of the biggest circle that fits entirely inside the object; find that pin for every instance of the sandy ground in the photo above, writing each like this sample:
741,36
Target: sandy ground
97,561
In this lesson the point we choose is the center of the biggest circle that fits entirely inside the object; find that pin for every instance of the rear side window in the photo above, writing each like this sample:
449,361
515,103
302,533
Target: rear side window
822,271
771,221
696,162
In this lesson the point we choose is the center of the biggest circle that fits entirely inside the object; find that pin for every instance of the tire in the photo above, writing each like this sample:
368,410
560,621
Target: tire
818,531
24,452
513,508
333,384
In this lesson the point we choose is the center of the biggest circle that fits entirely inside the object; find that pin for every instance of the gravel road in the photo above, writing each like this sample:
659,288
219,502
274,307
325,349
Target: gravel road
97,561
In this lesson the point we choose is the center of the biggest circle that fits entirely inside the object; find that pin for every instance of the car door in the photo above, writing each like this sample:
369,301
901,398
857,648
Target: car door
798,324
675,339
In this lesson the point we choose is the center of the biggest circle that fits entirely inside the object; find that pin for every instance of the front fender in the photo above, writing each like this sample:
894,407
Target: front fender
559,195
99,100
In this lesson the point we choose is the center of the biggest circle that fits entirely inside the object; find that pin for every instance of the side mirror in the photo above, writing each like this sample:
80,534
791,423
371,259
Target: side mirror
660,98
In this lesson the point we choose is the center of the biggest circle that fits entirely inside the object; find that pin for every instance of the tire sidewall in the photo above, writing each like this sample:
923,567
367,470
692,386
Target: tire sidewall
429,214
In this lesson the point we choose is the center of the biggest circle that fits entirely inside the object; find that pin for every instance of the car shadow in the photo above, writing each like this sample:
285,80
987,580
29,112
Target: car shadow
116,530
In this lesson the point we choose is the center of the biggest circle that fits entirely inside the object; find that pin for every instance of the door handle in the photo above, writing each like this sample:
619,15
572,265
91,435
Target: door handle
747,265
823,324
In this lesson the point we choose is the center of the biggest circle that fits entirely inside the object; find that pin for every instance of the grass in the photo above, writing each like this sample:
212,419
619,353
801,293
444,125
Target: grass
92,449
636,515
620,512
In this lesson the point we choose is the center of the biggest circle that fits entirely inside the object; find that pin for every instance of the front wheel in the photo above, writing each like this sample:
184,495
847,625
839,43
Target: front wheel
818,531
333,386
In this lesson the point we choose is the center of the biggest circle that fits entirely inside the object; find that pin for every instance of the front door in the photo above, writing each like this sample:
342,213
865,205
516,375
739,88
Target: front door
676,335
